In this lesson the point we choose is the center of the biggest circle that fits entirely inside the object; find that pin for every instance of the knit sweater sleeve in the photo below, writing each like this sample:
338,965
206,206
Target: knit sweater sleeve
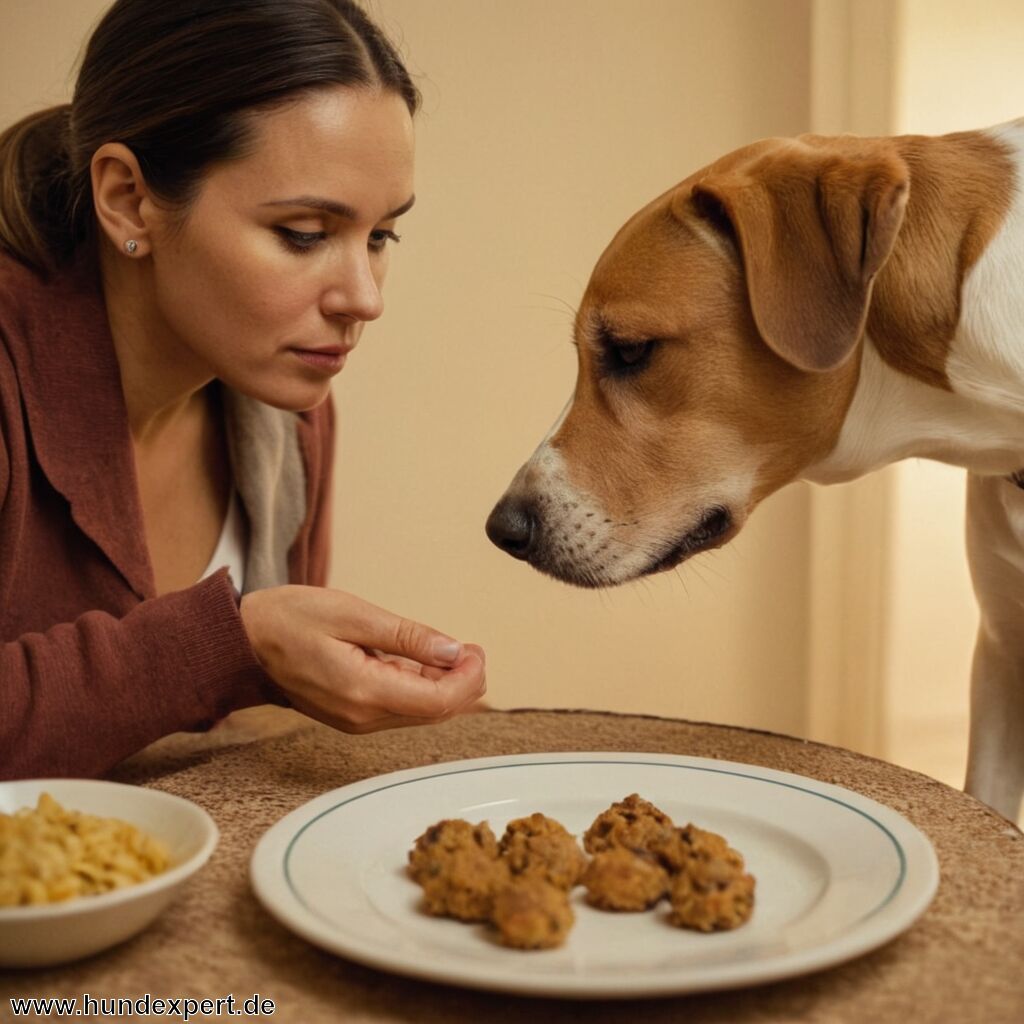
84,695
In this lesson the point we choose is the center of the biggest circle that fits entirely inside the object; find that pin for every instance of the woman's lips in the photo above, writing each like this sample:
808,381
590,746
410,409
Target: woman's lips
326,360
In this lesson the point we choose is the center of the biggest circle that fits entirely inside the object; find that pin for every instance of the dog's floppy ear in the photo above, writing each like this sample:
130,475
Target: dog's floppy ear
813,228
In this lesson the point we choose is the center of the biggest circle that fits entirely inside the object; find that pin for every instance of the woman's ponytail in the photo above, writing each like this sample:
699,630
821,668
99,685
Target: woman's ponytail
37,202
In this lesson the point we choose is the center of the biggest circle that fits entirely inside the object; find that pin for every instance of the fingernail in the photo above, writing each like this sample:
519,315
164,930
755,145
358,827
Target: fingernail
447,650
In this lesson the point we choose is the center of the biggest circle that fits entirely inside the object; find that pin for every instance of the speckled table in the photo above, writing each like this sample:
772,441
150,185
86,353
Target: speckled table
963,962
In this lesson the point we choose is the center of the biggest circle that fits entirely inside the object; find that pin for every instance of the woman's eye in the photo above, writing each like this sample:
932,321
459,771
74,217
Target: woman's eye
300,241
379,240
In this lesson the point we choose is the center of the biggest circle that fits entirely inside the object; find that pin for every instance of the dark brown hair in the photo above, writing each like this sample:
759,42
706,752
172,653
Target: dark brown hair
177,81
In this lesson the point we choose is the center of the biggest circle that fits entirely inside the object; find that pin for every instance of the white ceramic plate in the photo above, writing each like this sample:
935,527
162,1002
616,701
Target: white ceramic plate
837,874
54,933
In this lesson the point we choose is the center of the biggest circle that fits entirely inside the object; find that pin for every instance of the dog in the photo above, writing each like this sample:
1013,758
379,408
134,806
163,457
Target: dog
804,308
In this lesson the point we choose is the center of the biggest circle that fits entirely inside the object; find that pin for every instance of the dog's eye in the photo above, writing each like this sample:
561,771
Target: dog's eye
625,358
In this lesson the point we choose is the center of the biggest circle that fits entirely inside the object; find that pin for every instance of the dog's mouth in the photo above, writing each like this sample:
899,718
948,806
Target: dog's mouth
716,526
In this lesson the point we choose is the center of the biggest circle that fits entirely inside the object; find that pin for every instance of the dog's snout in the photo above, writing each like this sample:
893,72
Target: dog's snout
512,526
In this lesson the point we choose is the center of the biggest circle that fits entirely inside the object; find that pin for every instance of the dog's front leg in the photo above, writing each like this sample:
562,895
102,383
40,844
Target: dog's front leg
995,548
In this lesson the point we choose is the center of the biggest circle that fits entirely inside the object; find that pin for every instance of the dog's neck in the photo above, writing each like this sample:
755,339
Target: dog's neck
894,416
959,398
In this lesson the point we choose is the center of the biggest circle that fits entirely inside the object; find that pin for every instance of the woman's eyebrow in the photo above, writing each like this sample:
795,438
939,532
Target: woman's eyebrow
338,209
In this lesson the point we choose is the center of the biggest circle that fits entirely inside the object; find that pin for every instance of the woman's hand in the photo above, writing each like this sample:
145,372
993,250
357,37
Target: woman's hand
358,667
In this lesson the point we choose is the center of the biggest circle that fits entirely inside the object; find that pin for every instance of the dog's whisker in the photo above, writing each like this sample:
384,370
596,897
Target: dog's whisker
682,579
707,565
561,313
648,588
696,570
650,549
557,298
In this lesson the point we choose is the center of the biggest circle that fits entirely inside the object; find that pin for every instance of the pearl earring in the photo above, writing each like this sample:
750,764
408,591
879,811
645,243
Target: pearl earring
131,246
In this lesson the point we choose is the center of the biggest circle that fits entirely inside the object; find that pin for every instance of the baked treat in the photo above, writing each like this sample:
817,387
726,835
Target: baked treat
531,913
538,845
432,851
522,884
633,823
457,866
711,906
619,879
712,891
677,849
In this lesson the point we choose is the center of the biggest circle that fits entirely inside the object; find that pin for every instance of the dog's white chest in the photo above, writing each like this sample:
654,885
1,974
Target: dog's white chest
987,357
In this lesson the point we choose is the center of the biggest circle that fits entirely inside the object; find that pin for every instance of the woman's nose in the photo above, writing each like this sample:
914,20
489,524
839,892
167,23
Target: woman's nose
354,291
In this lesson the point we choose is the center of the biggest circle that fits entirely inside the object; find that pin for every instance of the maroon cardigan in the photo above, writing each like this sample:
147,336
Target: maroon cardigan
93,665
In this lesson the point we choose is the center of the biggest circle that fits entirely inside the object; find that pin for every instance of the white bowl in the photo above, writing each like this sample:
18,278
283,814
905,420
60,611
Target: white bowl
54,933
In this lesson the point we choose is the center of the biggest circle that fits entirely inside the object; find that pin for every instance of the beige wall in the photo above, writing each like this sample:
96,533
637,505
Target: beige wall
960,65
844,613
854,48
40,42
545,125
893,617
958,68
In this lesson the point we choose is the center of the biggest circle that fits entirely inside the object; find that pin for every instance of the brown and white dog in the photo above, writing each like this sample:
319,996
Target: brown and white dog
810,308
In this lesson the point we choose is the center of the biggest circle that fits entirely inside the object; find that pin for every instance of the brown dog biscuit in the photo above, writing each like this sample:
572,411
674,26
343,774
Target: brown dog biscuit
619,879
633,823
684,844
540,845
709,906
711,890
531,913
457,866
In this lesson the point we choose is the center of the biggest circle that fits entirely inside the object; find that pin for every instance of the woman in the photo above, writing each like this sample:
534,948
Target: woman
190,251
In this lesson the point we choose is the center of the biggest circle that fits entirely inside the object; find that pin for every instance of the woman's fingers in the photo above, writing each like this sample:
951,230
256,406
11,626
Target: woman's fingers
358,667
431,672
362,623
398,688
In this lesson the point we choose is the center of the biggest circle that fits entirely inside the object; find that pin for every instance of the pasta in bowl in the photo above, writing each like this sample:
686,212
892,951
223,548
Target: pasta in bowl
85,864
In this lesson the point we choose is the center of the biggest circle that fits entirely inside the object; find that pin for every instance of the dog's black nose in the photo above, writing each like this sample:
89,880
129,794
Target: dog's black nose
513,527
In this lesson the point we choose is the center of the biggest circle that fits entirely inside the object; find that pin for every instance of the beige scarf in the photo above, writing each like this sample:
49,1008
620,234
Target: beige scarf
270,478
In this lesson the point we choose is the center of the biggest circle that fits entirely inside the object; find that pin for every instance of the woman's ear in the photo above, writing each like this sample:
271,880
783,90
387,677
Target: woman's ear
120,199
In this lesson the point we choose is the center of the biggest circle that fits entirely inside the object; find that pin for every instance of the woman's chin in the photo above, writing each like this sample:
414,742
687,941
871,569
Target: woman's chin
296,396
